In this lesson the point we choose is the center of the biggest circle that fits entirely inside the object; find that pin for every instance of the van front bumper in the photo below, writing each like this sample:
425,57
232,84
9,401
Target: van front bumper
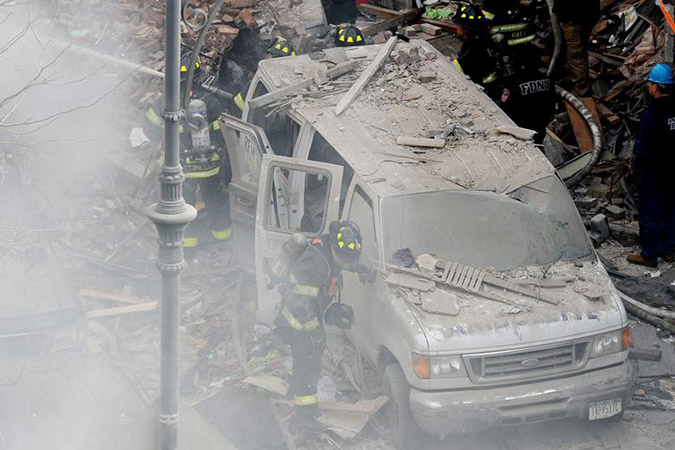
447,412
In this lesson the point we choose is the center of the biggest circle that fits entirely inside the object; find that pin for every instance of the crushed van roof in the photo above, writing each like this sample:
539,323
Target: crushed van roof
396,103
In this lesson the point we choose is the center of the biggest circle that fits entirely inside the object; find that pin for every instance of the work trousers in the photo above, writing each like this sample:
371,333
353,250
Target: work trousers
576,47
307,349
216,217
656,208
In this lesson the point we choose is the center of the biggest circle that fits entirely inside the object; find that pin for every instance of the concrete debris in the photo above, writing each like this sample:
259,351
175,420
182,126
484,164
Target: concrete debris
427,76
420,142
517,132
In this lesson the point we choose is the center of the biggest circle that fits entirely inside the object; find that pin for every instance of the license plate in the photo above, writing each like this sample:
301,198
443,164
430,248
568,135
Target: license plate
604,409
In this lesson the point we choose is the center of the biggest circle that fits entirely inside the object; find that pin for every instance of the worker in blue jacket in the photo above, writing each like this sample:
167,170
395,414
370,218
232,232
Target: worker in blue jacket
655,161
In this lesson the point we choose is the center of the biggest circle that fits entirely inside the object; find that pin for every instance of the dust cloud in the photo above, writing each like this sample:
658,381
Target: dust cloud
63,118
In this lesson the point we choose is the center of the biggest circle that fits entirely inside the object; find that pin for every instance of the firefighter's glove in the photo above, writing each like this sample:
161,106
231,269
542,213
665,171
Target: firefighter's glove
339,315
366,274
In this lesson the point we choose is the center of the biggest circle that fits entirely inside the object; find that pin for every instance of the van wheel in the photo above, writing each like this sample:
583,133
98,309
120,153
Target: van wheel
403,430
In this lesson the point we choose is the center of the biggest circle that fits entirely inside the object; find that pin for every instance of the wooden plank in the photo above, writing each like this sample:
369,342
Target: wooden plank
489,279
548,283
482,294
445,26
144,307
582,132
366,76
420,142
430,29
409,281
402,18
101,295
294,88
378,11
269,383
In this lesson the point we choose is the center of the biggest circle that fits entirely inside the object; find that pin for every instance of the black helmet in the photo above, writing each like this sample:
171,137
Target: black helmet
281,47
348,36
470,16
185,63
345,240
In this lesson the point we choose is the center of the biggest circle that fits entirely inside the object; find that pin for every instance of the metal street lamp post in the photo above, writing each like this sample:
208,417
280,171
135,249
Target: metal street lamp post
171,216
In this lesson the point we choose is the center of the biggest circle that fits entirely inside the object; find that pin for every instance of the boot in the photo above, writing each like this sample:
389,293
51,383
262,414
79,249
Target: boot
305,420
637,258
668,257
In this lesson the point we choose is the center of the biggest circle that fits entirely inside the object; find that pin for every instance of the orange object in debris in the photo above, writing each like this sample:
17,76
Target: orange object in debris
669,18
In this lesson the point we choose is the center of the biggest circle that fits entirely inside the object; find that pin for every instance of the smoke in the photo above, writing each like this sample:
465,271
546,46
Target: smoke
63,117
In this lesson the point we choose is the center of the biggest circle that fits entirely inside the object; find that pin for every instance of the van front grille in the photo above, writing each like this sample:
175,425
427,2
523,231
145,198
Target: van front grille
515,365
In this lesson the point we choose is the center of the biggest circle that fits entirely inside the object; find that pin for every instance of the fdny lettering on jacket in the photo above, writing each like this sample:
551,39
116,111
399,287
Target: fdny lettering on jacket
532,87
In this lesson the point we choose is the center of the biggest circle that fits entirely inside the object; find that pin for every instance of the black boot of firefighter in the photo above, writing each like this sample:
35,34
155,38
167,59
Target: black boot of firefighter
305,419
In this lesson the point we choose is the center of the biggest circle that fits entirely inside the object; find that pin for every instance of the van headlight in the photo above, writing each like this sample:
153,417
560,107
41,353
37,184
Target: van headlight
612,342
446,366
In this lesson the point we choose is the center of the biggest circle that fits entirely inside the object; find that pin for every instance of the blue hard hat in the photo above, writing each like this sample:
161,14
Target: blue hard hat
661,74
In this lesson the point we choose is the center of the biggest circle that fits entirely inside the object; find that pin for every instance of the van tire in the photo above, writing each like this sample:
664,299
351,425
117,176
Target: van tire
404,431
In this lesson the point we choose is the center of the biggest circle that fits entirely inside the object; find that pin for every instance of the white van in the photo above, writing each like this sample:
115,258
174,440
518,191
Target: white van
514,320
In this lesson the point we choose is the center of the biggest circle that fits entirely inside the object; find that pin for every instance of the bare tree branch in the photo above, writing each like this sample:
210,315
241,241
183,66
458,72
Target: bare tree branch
33,81
51,118
17,38
51,141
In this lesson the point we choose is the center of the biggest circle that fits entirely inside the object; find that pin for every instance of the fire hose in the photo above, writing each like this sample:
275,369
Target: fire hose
557,38
595,131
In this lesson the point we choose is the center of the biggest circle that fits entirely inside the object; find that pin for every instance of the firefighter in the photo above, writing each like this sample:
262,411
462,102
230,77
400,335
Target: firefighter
310,298
237,80
654,160
204,160
515,19
348,36
474,57
340,11
577,18
528,90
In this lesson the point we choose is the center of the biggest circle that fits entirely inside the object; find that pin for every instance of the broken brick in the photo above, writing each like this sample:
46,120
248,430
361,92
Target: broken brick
427,76
226,29
240,3
246,17
615,212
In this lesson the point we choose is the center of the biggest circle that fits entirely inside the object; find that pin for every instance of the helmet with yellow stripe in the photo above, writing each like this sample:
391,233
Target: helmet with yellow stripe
345,240
348,36
185,64
281,47
470,16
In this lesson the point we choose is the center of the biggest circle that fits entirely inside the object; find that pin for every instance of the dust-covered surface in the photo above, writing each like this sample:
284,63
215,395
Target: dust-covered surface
397,103
62,202
586,298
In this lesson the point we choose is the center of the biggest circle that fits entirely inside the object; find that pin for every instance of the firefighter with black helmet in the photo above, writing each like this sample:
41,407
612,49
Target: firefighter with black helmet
515,19
474,57
237,80
280,47
348,36
310,299
204,159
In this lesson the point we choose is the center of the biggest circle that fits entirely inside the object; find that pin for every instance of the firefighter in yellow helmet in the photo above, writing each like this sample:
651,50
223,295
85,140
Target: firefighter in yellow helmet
281,47
310,299
474,58
204,159
349,36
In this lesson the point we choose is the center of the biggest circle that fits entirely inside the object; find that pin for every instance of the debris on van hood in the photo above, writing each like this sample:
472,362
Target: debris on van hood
440,301
517,132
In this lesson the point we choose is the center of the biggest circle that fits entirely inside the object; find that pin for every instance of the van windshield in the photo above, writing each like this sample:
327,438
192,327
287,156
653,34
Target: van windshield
536,224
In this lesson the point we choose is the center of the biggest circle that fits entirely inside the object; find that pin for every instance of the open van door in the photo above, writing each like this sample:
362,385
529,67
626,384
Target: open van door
294,196
246,145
